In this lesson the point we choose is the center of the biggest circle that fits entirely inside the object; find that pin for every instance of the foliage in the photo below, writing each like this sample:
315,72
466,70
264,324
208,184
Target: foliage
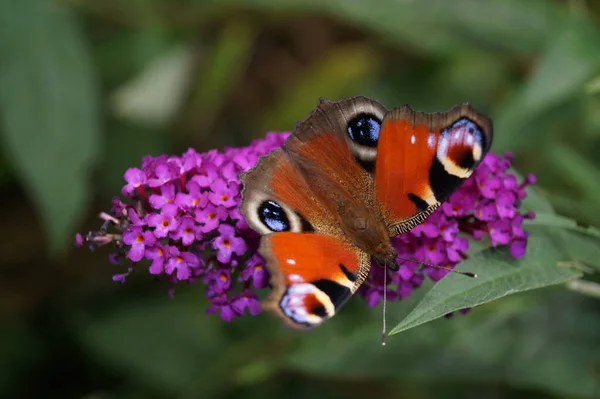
88,87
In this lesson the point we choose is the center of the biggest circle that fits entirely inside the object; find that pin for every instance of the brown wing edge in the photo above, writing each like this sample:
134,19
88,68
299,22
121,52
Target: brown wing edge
333,117
305,128
409,224
255,188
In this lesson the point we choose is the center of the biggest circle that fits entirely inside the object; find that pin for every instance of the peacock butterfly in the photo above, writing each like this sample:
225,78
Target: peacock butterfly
350,177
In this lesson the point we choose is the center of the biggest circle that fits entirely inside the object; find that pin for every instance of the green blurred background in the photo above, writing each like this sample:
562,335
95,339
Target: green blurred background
88,87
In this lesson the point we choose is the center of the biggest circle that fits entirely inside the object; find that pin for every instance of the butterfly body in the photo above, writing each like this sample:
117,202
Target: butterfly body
351,177
369,232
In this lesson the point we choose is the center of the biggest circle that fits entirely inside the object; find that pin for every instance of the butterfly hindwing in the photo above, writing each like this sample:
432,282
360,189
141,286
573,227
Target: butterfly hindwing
423,158
313,275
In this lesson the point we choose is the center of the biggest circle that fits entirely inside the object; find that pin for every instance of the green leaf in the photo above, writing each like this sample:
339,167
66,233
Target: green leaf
580,248
579,243
571,59
550,331
223,66
575,169
557,349
499,275
436,26
554,220
163,345
572,205
48,108
593,86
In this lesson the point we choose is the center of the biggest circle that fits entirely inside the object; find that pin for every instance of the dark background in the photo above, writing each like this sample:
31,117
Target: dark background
88,87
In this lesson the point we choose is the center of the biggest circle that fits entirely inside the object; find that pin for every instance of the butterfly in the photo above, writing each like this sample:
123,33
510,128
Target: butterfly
350,177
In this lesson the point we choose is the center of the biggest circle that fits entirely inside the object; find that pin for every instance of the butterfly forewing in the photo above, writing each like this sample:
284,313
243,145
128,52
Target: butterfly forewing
423,158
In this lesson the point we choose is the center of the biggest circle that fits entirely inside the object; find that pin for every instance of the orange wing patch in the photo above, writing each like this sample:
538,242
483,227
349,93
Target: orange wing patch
335,176
312,276
302,257
404,157
290,187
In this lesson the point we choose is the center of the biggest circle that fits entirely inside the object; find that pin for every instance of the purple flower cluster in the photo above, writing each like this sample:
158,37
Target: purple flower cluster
180,218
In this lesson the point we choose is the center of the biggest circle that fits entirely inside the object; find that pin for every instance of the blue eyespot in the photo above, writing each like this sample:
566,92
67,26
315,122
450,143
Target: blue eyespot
273,216
467,126
464,132
363,129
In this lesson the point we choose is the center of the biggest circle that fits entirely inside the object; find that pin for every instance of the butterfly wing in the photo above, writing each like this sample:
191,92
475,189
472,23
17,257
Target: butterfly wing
312,275
318,172
338,164
351,161
295,196
314,270
423,158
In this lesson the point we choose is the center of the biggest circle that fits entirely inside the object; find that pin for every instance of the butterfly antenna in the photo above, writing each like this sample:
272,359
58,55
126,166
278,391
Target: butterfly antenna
468,274
384,328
